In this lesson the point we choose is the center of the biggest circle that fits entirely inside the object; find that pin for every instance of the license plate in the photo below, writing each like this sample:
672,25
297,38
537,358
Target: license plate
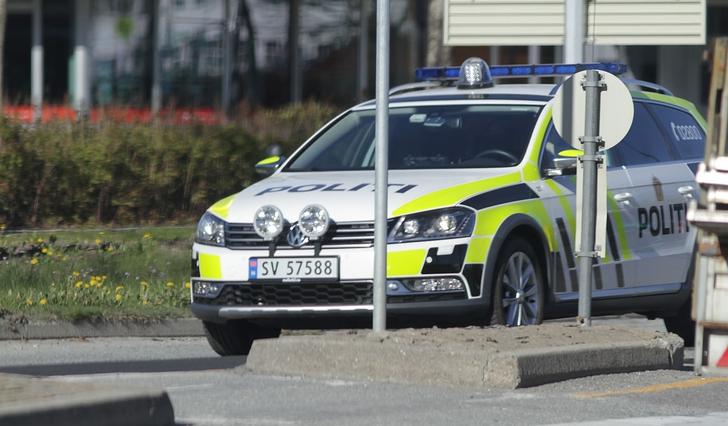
293,268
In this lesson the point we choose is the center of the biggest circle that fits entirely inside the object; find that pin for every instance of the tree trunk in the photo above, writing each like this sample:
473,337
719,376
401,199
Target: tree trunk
252,90
3,17
437,53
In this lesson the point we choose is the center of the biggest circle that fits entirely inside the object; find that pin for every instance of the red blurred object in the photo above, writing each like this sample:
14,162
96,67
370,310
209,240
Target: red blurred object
24,113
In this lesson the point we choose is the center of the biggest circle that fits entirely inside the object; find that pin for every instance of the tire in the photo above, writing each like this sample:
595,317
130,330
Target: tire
520,303
235,337
682,324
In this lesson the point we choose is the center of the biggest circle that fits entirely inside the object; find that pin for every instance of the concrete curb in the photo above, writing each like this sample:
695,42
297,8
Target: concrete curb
178,327
461,363
32,401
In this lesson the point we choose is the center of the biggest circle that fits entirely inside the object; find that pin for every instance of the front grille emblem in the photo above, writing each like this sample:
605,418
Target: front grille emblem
295,237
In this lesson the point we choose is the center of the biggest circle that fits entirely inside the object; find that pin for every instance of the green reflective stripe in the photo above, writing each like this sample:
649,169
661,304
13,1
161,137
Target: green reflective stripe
678,102
622,235
450,196
563,201
210,266
531,171
490,220
571,153
478,249
405,263
269,160
222,207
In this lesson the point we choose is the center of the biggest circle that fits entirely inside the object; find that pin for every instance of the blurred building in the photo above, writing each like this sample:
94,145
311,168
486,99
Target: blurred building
213,54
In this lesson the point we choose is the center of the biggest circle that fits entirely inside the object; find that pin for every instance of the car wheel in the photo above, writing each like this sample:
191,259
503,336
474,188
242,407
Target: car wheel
518,292
682,324
234,337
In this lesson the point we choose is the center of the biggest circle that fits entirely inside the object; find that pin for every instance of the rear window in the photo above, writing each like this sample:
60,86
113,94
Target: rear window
644,143
682,130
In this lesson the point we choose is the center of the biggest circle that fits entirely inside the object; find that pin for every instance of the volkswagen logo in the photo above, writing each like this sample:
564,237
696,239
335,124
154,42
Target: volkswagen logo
295,237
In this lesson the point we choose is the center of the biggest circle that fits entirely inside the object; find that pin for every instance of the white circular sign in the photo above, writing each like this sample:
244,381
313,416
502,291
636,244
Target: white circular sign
615,113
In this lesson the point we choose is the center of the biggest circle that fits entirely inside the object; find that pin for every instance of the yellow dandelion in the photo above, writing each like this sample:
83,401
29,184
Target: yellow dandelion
50,253
44,250
187,285
147,236
75,273
170,284
104,277
33,261
86,285
79,284
119,288
118,297
145,302
98,241
29,301
43,301
39,240
109,249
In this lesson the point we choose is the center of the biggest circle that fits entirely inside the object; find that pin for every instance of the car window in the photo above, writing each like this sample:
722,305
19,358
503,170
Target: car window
644,143
426,137
554,144
682,130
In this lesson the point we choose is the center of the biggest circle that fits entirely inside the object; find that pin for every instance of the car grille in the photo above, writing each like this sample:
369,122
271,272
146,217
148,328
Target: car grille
346,293
353,234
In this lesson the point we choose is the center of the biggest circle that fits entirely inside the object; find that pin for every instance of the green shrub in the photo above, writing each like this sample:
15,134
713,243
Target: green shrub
65,174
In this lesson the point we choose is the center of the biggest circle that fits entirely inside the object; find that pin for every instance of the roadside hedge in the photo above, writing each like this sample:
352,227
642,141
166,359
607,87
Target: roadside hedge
118,173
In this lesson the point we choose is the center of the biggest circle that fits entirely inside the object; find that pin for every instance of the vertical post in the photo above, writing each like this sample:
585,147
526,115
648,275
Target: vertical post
294,54
593,85
381,166
36,62
363,74
81,99
574,31
534,57
156,60
227,71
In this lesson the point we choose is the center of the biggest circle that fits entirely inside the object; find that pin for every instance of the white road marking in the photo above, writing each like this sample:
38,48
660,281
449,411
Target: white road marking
720,418
230,421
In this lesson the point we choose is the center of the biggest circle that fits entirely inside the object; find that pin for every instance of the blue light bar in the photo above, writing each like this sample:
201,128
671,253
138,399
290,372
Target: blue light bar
505,71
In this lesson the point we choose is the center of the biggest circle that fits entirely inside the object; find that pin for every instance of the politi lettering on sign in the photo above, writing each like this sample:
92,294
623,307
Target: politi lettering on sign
334,187
663,219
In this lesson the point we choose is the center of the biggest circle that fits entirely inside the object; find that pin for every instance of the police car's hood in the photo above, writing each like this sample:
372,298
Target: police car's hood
348,196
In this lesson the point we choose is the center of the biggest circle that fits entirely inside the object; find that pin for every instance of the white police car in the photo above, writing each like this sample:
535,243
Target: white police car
481,215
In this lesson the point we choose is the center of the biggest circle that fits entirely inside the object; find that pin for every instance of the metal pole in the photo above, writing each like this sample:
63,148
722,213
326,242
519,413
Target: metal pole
379,321
156,60
534,57
593,85
81,59
36,62
363,74
574,31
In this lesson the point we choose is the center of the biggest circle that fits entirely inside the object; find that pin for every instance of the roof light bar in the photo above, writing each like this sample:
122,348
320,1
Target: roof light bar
505,71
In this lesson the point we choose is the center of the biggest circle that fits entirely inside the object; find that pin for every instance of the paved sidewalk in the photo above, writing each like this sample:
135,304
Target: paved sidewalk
34,401
24,329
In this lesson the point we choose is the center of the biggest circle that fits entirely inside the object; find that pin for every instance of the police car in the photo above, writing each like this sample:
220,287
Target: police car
481,215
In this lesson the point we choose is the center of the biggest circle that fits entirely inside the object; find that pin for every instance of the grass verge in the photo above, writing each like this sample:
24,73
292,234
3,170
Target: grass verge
89,274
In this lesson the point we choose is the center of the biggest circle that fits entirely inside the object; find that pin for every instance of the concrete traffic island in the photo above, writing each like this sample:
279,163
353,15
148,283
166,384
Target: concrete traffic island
473,356
34,401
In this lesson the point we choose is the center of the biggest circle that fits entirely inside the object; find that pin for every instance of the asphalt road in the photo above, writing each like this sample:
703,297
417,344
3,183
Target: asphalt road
209,390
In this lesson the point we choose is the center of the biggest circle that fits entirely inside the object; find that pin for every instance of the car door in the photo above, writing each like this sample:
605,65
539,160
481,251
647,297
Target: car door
559,196
654,206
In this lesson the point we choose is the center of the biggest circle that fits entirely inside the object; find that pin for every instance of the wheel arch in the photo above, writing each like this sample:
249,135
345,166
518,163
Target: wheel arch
518,225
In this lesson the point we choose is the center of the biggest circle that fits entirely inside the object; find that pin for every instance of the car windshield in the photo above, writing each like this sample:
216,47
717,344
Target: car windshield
425,137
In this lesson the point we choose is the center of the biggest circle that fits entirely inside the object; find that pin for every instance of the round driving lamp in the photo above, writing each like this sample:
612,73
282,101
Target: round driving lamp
313,221
268,222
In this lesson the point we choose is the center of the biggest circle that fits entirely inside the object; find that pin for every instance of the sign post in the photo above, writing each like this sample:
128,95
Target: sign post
582,111
379,317
593,85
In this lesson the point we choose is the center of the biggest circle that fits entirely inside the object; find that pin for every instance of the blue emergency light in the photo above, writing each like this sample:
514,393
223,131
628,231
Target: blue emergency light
464,73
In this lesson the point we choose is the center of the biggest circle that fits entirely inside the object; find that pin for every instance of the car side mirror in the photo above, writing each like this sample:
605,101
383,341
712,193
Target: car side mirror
565,163
269,165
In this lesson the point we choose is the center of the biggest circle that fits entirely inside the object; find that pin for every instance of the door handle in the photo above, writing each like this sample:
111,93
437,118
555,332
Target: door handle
687,192
624,199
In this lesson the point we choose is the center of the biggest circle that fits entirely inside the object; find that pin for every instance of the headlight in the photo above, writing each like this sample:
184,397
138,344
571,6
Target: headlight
268,222
313,221
210,230
437,224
